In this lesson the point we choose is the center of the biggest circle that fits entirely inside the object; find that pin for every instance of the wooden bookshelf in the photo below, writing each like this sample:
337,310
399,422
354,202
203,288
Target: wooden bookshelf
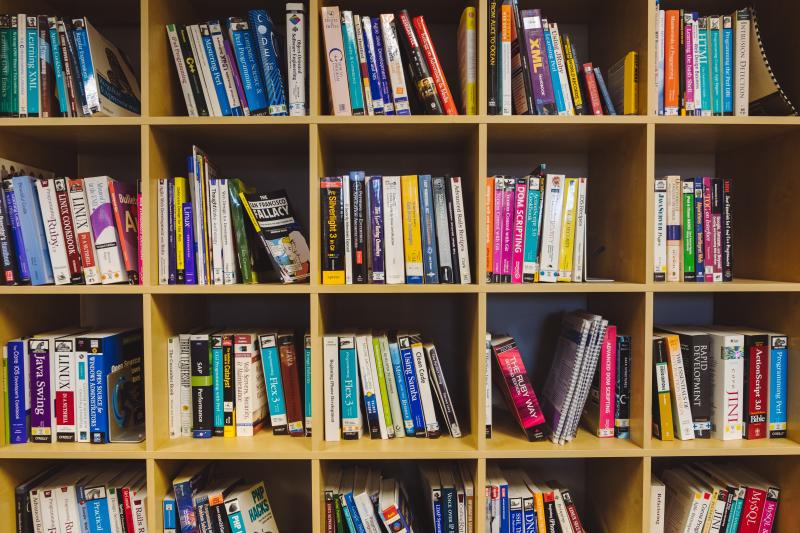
621,155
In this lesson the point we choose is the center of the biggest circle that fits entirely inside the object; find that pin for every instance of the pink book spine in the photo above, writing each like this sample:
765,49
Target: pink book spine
608,361
520,197
139,237
520,390
508,210
768,516
689,64
708,234
497,253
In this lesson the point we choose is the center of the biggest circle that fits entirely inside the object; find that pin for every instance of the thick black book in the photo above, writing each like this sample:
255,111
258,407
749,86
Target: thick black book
202,387
622,405
331,207
518,48
451,225
493,34
417,67
727,231
191,70
695,351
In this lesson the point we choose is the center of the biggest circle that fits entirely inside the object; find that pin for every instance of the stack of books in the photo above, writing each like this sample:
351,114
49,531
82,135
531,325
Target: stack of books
68,230
239,71
361,498
536,228
577,387
62,67
216,231
388,65
533,69
109,496
394,229
397,376
204,498
713,496
515,502
693,238
60,384
719,382
225,384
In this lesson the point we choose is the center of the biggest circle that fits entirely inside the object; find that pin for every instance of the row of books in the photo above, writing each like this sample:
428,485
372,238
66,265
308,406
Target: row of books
216,231
388,65
693,238
205,498
719,382
75,385
577,387
363,499
67,230
242,71
536,227
516,502
88,497
394,229
706,496
62,67
396,376
225,384
533,69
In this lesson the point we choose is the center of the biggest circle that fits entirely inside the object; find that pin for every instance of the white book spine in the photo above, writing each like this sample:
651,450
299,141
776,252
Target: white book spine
139,511
425,393
487,373
366,510
51,219
362,58
215,224
198,214
673,228
657,504
385,101
551,228
561,512
163,232
22,65
36,511
727,360
717,514
562,68
109,251
698,89
224,65
296,58
180,66
113,497
459,216
741,70
660,232
64,392
681,405
394,65
186,385
580,232
67,507
81,397
79,208
391,387
393,228
659,62
330,376
368,385
226,230
348,231
207,81
245,409
49,512
173,386
337,71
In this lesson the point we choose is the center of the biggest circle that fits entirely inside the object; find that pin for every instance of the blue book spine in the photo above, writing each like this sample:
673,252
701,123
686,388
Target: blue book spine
32,58
504,513
189,277
428,230
30,216
267,52
375,85
352,64
170,517
736,515
601,84
16,232
383,68
171,244
58,69
377,271
438,526
410,378
307,388
716,75
554,79
97,508
529,520
270,360
402,391
358,524
530,248
516,524
348,518
699,243
247,61
727,68
236,521
778,360
216,376
348,383
18,408
216,73
705,76
184,503
86,67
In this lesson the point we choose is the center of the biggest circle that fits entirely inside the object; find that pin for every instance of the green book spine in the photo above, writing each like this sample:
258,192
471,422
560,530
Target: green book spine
5,66
239,231
687,213
14,66
387,412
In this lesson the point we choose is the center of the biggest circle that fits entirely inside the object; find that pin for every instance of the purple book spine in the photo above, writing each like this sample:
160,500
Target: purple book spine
508,211
376,229
39,353
188,245
541,84
237,80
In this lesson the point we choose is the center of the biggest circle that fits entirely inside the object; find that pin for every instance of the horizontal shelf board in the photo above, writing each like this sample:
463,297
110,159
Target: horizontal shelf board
749,120
263,445
256,288
508,443
391,120
404,448
72,289
206,121
737,285
715,447
72,121
73,450
443,288
556,119
617,286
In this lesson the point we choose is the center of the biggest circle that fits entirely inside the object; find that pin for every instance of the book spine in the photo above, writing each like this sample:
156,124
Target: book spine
681,405
54,231
215,231
349,384
688,229
180,67
441,390
579,259
333,268
695,350
412,385
18,391
187,223
716,226
364,71
756,356
377,231
561,69
226,69
216,79
371,59
372,406
567,244
608,384
518,391
172,245
591,87
699,233
727,66
508,229
202,388
382,66
688,62
573,78
672,25
335,60
347,229
601,84
439,192
491,76
553,67
489,222
352,66
33,235
64,391
662,406
22,68
459,223
419,73
741,60
193,75
41,400
330,382
394,230
551,228
504,60
428,230
704,80
541,82
105,235
32,63
673,228
237,77
276,398
83,231
267,52
206,83
383,351
727,365
45,65
435,66
217,385
622,410
394,64
423,382
715,57
247,62
383,390
10,276
173,386
124,201
61,99
290,375
296,58
468,60
402,389
16,231
727,231
518,239
776,407
359,226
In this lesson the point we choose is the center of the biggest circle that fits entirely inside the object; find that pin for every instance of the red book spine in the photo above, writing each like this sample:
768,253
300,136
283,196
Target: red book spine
291,384
445,96
755,418
591,86
518,390
751,511
70,240
577,527
128,509
708,233
671,61
330,514
139,237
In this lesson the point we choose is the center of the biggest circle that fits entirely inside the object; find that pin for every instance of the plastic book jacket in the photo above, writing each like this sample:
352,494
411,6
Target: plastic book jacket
126,402
116,82
280,233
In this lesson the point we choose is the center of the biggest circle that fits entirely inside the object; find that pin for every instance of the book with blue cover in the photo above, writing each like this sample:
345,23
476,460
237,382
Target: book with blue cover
33,235
266,48
216,72
247,61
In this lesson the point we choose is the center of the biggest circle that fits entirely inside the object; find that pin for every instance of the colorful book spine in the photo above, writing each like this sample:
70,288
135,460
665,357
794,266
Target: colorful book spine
412,237
333,267
18,391
727,231
228,387
307,384
296,58
662,403
688,62
741,62
107,240
428,230
508,229
442,224
435,66
377,228
350,393
382,65
716,227
776,407
699,232
247,65
622,409
371,60
276,399
518,237
40,384
419,72
567,244
727,65
607,383
34,240
715,58
402,390
53,230
189,275
290,375
504,58
217,79
267,50
352,64
412,386
215,342
363,68
561,106
16,230
202,387
82,226
756,356
671,61
541,83
673,228
394,64
688,229
703,59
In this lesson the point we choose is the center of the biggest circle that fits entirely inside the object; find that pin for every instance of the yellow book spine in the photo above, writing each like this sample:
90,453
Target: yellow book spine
538,502
467,60
631,84
204,192
572,72
412,237
665,410
180,199
567,250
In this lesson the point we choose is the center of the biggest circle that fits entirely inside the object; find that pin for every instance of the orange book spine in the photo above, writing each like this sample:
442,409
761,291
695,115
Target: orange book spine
489,227
671,61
